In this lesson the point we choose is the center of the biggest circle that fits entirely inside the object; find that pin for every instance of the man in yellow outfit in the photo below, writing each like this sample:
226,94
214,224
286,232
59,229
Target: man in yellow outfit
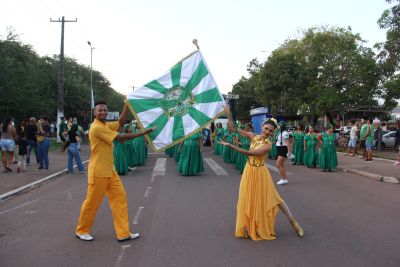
102,176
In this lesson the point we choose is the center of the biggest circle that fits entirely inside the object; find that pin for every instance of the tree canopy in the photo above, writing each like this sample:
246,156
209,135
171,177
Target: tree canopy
326,69
29,84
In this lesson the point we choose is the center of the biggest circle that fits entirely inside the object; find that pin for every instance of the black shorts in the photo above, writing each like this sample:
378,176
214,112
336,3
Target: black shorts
282,151
362,143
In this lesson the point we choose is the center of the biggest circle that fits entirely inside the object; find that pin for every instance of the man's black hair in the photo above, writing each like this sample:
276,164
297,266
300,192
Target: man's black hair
100,103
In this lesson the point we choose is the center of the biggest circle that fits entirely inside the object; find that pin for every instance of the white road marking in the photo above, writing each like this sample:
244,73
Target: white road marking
218,170
121,255
159,168
137,215
275,169
147,193
20,206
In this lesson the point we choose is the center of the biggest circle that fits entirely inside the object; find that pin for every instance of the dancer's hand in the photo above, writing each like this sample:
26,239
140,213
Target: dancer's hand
224,143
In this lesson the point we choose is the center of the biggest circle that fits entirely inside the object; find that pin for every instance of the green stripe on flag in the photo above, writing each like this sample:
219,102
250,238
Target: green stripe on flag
140,105
198,116
176,74
160,123
208,96
178,132
197,76
156,86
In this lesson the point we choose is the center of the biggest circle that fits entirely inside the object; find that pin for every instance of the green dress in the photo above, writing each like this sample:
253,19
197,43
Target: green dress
273,154
242,158
311,154
140,150
219,132
130,153
227,151
234,152
120,158
190,159
298,148
170,151
176,153
328,157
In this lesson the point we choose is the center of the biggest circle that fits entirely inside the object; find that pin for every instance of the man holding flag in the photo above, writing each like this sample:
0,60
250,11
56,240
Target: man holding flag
102,176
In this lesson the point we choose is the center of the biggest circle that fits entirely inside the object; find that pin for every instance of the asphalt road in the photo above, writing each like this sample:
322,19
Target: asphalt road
189,221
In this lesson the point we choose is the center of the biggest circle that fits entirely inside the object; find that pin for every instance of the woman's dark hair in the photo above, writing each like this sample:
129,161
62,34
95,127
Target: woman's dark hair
6,123
270,122
74,128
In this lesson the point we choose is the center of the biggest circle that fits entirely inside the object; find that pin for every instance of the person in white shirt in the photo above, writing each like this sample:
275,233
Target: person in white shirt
283,148
353,139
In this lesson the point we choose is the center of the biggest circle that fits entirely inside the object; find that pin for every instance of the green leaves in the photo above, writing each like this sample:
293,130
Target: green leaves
324,70
29,84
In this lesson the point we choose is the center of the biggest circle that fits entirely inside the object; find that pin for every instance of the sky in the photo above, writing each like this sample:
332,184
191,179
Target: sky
136,41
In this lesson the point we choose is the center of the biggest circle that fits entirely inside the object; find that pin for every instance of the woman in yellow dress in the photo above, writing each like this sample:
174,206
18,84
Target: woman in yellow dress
258,201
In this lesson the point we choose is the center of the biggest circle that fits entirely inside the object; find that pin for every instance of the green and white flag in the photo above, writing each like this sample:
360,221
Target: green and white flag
180,103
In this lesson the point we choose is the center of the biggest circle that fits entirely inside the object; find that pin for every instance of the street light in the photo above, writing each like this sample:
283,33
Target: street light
91,81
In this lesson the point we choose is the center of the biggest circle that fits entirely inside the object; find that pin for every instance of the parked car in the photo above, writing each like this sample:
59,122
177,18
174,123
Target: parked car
388,139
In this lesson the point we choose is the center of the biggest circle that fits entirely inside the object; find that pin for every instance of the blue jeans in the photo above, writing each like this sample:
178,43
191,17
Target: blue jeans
73,152
32,145
43,151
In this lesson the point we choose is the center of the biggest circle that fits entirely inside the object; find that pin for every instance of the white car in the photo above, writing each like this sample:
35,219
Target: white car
388,139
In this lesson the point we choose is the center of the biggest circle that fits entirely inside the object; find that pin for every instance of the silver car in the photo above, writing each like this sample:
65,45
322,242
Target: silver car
388,139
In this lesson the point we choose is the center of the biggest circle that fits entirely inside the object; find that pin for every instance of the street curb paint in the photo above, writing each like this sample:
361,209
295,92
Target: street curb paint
34,184
376,177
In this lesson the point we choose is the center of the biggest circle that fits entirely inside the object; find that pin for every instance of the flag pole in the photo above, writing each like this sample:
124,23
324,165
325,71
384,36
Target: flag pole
196,43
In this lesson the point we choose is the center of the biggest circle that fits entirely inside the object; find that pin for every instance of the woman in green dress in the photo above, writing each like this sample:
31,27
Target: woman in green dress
310,148
130,148
298,146
228,151
244,143
235,140
190,159
120,156
140,149
176,152
169,152
327,158
273,154
218,136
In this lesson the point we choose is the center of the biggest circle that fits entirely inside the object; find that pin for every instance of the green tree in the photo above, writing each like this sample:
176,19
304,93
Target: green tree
327,69
29,84
389,55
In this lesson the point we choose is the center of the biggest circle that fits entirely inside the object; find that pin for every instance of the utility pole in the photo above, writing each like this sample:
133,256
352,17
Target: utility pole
60,102
91,82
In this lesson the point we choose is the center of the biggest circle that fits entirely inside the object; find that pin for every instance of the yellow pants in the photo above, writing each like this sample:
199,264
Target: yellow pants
116,196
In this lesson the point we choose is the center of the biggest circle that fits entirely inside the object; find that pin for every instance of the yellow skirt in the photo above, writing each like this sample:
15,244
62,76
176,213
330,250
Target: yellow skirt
257,205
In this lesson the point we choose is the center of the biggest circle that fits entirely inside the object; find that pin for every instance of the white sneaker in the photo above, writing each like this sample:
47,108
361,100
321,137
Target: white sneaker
396,163
84,237
282,182
130,237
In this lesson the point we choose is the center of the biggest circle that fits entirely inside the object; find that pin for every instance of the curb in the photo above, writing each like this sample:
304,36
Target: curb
386,179
375,158
34,184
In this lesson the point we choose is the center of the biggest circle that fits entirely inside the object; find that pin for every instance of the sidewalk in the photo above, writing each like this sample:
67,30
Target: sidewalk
378,169
57,166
